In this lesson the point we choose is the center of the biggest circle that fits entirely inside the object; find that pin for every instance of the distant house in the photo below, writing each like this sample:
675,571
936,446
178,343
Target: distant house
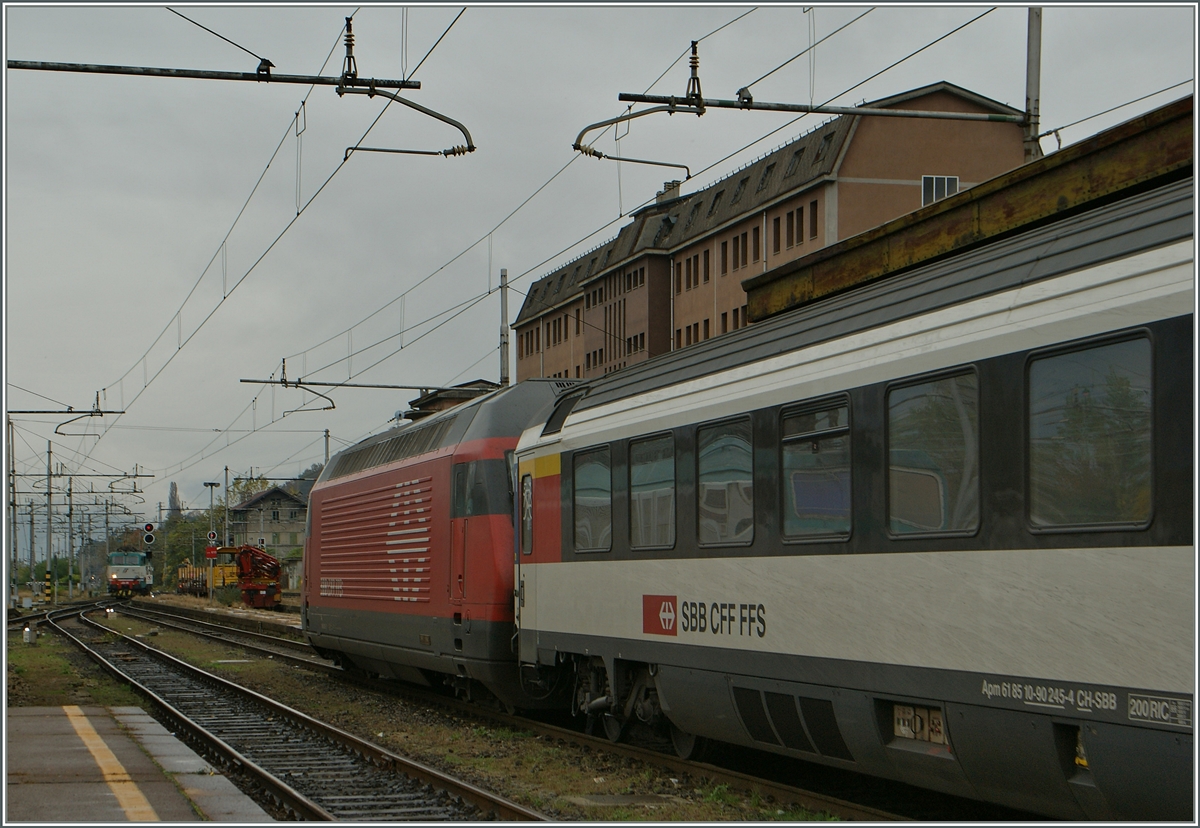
273,520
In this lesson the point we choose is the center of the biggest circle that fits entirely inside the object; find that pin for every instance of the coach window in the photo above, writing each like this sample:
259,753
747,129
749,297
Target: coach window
1090,436
526,514
816,471
652,492
593,501
933,455
725,493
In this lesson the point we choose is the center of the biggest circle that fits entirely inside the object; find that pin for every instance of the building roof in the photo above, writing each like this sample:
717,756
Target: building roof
945,86
664,227
253,502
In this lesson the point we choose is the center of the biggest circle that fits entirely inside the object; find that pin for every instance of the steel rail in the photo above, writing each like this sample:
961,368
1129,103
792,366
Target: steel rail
783,793
484,800
292,799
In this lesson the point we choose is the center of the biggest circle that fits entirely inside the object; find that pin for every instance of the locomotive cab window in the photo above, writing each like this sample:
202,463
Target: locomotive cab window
652,492
1090,436
816,471
933,456
725,494
593,501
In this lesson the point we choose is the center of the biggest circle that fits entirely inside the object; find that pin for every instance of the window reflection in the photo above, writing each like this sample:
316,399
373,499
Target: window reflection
816,472
726,486
593,501
652,492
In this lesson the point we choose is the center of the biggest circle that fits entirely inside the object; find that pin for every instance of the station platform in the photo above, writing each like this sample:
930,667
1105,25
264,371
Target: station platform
99,764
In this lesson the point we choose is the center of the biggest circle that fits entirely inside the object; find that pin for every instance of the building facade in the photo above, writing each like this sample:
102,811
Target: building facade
673,276
273,520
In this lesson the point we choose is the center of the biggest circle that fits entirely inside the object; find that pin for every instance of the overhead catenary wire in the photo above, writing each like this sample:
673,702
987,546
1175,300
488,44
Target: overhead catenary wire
260,59
224,293
500,223
263,255
810,48
1115,108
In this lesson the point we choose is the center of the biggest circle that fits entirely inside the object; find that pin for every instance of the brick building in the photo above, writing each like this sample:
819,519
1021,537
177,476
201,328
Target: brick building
673,275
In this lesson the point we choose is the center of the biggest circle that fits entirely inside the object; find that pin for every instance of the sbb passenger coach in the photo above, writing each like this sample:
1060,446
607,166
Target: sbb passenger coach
936,529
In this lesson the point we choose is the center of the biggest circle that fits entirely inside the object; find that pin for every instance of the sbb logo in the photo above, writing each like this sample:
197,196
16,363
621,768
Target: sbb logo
658,615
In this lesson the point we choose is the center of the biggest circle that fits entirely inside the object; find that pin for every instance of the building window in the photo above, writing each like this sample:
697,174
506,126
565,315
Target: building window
706,265
1090,433
766,178
724,258
725,322
275,514
936,187
577,321
737,193
678,338
812,219
706,333
293,514
715,202
799,225
791,228
688,341
816,472
735,319
652,492
725,494
678,279
754,241
794,162
745,251
933,456
737,246
775,235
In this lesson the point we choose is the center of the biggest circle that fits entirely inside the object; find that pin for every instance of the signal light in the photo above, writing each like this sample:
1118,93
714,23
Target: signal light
149,539
149,528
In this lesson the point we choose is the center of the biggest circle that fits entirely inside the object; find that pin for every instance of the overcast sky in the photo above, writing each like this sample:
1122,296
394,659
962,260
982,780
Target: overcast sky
132,270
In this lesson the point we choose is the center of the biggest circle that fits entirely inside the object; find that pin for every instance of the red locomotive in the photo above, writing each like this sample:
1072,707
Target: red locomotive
409,549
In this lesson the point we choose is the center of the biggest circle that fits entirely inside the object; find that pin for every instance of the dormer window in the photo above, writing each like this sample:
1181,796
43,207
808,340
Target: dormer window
737,194
766,178
715,202
794,163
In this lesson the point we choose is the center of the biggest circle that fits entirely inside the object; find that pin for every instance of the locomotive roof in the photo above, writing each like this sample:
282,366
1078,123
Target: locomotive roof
1133,225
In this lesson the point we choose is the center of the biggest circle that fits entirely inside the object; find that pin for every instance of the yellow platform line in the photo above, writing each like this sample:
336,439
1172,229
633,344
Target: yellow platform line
131,799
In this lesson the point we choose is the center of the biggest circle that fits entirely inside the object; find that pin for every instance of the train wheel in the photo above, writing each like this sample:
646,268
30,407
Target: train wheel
688,745
614,728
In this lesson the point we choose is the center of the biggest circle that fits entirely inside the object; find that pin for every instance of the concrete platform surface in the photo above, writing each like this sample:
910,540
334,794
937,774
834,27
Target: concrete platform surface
97,764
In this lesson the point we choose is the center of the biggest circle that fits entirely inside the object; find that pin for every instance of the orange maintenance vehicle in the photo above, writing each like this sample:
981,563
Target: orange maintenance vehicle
258,578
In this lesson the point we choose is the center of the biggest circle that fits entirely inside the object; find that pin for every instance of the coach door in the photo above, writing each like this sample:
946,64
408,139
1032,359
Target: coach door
525,580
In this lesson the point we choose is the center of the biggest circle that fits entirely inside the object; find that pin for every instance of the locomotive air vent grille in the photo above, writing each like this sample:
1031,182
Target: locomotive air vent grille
376,544
408,443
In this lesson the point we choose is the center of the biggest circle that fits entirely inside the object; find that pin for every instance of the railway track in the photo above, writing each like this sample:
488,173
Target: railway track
848,785
305,768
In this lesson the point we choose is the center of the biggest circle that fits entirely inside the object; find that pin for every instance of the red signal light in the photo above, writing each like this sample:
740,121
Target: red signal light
149,527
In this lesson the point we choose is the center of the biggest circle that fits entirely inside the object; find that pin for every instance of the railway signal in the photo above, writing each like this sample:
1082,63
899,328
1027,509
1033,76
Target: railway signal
149,537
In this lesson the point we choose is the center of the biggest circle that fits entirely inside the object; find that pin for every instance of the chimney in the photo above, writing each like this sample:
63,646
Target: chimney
670,190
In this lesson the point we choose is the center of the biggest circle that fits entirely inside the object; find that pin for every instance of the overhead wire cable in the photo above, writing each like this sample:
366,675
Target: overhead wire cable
36,394
218,34
843,92
1115,108
498,225
224,241
810,48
